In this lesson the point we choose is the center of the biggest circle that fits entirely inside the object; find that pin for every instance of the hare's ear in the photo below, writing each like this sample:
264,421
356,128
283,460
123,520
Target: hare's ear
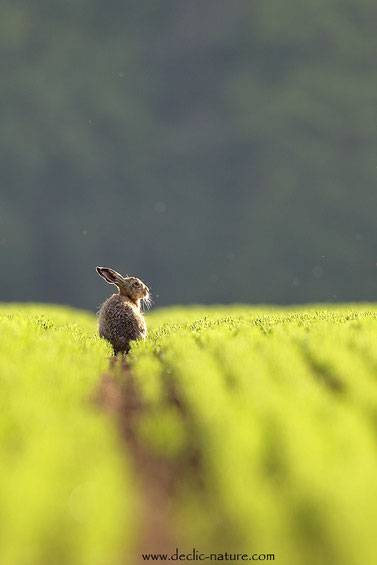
110,276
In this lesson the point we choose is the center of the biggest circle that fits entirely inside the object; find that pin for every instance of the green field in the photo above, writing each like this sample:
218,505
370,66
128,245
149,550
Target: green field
240,429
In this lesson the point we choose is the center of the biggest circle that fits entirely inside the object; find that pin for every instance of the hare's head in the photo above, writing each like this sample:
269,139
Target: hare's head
131,287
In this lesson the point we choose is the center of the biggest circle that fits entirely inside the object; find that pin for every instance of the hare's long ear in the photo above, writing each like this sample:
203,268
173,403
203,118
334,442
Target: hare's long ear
110,276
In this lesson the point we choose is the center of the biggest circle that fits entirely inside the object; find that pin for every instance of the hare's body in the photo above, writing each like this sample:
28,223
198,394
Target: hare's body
120,317
121,321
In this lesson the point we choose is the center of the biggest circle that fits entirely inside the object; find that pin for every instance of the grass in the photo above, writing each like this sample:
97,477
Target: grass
63,475
267,417
281,410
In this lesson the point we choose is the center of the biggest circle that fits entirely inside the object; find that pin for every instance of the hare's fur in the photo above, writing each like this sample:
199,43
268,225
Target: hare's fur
120,317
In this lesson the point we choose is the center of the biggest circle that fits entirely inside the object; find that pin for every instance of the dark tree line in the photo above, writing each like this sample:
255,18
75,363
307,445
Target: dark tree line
222,151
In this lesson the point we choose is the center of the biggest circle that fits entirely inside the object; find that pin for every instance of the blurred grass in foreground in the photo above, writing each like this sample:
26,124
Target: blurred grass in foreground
267,415
280,408
63,476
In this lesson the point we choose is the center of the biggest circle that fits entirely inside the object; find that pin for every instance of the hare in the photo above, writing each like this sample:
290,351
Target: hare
120,317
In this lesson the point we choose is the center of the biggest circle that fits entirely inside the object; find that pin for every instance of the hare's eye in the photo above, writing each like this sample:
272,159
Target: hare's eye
137,283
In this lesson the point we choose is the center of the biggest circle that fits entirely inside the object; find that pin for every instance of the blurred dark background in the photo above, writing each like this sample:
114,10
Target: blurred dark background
220,150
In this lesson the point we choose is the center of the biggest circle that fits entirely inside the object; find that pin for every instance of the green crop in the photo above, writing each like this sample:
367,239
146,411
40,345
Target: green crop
279,409
65,493
256,426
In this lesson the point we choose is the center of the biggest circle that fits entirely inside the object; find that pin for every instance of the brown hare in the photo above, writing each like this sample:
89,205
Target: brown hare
120,317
